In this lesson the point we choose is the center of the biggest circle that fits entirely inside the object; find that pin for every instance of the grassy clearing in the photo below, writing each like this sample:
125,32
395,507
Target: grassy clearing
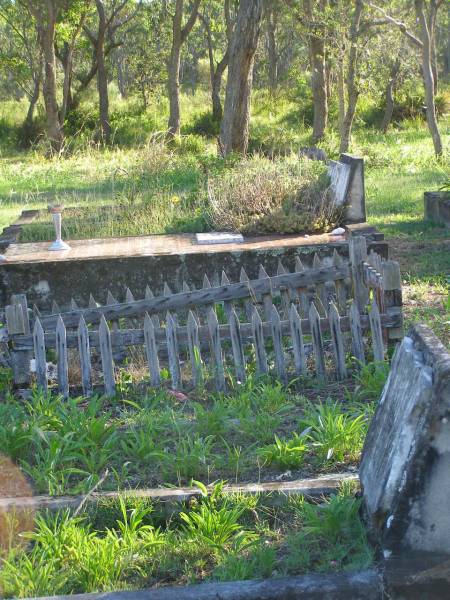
132,544
156,438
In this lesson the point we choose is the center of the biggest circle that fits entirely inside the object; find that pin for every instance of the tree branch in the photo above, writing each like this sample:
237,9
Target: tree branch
402,26
186,30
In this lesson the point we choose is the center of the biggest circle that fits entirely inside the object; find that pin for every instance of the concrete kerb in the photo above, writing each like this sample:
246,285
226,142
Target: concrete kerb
361,585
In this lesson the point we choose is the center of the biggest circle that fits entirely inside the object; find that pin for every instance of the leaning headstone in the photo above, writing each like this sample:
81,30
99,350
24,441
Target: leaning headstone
339,179
348,188
405,466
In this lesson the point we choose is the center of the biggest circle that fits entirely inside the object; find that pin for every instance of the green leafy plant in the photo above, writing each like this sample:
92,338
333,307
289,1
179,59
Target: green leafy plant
286,454
370,381
215,521
192,456
335,436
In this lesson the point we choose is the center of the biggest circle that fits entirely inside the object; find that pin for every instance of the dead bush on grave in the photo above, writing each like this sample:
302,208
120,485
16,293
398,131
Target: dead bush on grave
280,196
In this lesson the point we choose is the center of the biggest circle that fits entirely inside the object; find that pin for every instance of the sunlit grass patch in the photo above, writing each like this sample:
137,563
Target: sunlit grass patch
131,544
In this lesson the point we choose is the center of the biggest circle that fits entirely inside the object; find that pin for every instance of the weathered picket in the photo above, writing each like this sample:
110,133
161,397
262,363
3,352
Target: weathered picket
280,321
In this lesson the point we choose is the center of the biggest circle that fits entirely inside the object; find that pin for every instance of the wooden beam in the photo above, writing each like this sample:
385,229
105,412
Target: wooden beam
135,337
196,297
314,488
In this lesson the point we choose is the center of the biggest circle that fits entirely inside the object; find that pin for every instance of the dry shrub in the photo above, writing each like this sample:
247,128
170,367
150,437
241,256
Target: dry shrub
259,195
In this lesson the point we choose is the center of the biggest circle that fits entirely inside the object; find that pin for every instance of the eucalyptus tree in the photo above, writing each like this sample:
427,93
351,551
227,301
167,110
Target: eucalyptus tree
234,129
218,22
141,65
180,33
112,15
421,34
46,14
21,56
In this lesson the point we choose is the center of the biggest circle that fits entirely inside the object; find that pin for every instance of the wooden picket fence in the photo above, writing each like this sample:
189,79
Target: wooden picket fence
290,324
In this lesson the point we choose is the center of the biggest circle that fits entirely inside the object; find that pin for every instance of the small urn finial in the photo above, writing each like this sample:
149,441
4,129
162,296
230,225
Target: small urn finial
56,210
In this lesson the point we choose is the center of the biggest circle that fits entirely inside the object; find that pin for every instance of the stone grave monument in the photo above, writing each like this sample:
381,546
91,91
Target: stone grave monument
405,467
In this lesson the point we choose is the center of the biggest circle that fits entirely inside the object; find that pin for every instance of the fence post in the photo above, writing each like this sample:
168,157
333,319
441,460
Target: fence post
392,288
85,356
237,347
172,351
151,349
104,338
258,341
62,361
377,334
295,324
194,349
275,326
17,323
357,247
317,340
216,350
356,333
40,355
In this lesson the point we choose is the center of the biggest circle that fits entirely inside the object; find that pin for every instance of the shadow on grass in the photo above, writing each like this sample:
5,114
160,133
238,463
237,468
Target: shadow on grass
418,229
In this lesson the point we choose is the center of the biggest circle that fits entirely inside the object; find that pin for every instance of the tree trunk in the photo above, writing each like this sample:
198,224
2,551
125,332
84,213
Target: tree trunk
215,73
316,46
447,49
389,108
236,115
179,36
428,80
49,90
216,87
341,91
272,47
174,72
121,76
102,74
33,100
352,85
67,62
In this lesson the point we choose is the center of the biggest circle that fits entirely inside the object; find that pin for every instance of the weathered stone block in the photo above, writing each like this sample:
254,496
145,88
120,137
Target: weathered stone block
405,467
437,207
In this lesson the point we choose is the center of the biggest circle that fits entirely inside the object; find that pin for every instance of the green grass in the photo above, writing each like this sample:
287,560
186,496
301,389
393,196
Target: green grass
153,439
130,544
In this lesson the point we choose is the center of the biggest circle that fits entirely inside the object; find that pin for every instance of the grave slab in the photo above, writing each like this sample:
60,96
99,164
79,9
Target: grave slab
94,266
405,466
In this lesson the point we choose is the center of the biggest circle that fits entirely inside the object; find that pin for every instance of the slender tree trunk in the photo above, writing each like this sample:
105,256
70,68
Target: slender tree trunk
179,35
121,76
341,91
215,73
67,61
272,54
236,115
316,46
427,72
34,98
328,77
49,89
102,74
447,50
174,71
352,85
390,88
216,87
